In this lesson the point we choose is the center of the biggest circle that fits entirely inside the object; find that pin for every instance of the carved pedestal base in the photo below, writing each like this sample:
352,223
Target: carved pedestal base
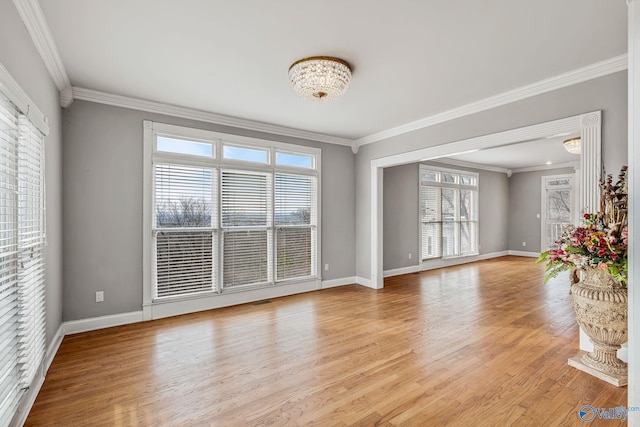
618,380
600,303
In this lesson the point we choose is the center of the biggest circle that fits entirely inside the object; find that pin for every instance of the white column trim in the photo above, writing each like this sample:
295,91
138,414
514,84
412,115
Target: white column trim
147,208
377,275
590,162
634,210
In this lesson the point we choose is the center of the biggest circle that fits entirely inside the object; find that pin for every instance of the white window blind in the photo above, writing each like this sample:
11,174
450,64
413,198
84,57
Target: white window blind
468,221
246,224
185,236
9,344
295,221
31,268
431,225
450,227
22,266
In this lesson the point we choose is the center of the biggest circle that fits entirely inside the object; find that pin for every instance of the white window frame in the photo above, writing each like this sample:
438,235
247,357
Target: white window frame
168,306
457,186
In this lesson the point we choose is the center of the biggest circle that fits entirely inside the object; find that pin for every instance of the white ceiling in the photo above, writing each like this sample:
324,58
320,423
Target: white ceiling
547,153
411,59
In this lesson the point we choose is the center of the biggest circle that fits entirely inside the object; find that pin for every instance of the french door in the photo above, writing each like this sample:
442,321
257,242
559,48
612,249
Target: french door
558,207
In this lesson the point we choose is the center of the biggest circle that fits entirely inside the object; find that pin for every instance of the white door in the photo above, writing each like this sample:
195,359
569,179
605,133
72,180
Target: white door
558,207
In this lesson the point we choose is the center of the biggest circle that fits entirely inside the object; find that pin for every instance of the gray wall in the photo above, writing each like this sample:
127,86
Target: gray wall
401,232
608,94
400,228
102,177
494,211
20,57
525,199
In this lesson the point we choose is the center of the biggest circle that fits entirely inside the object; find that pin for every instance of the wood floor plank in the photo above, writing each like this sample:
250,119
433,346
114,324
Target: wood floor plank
480,344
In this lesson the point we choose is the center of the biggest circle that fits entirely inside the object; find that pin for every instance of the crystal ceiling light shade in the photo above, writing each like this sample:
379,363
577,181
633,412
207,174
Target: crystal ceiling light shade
573,145
320,78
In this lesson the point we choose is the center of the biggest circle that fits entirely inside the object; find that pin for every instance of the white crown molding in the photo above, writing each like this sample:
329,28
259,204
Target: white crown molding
598,69
202,116
37,26
465,164
574,165
66,97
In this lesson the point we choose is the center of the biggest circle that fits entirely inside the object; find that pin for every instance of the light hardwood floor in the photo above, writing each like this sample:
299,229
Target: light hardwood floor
485,344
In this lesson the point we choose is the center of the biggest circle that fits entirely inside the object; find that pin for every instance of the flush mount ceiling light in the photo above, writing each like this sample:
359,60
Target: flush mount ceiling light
573,145
320,78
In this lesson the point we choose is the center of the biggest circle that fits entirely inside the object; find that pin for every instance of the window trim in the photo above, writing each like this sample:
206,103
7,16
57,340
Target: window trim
203,301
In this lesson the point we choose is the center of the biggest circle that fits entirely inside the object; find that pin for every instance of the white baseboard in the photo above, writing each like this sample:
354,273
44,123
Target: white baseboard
20,417
491,255
29,398
399,271
54,345
365,282
94,323
527,254
326,284
440,263
159,310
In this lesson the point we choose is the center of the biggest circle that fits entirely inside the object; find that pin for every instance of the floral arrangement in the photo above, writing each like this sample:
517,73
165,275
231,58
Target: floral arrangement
601,241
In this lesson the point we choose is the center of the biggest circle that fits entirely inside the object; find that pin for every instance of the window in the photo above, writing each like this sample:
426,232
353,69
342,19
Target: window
22,266
448,213
291,159
245,154
184,146
183,232
247,226
295,231
241,216
557,207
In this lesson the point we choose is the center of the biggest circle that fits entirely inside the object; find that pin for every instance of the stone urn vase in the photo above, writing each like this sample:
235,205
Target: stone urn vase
600,303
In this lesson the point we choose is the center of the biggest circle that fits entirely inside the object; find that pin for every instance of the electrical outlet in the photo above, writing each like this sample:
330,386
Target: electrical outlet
410,255
326,267
538,216
99,296
524,243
